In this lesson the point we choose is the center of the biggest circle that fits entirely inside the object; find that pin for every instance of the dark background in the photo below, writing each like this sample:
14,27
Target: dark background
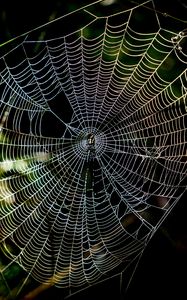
162,270
18,17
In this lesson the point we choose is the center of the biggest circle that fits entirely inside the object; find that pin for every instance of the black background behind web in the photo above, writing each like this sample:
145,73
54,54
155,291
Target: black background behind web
162,270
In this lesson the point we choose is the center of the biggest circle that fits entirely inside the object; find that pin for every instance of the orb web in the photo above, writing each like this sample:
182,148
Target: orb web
93,144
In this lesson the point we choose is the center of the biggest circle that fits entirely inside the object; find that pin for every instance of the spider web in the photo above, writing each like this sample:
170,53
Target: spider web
93,144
